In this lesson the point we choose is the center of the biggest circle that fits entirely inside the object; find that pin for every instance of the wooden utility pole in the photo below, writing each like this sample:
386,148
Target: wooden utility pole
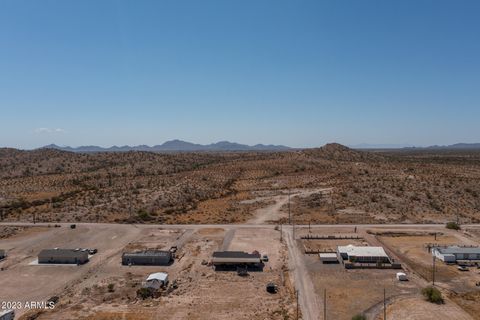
297,303
289,216
324,304
384,304
293,228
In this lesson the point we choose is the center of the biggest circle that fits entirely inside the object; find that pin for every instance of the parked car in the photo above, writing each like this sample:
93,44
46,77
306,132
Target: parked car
73,226
265,258
462,268
92,251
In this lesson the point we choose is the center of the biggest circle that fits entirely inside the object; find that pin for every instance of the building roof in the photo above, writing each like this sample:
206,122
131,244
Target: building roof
352,250
235,254
63,253
456,249
160,276
158,253
2,252
328,255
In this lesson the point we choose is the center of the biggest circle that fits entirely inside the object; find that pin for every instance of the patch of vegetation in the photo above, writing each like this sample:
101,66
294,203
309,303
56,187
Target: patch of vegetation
432,295
144,215
359,317
144,293
452,225
111,287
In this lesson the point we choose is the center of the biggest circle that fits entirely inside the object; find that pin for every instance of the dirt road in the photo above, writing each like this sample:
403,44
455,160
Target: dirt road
273,212
309,304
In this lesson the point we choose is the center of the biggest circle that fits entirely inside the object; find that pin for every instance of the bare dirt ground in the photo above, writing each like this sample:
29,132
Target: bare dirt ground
413,250
458,286
414,308
84,290
104,289
24,282
278,210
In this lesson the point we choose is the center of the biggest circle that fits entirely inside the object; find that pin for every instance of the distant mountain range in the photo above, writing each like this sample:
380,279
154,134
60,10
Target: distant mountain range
380,146
175,146
185,146
457,146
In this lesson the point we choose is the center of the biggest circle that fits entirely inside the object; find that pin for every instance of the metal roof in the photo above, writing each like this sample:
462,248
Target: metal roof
455,249
235,254
328,255
160,276
158,253
63,253
352,250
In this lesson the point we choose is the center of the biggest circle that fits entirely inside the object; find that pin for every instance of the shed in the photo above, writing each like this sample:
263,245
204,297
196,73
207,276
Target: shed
147,258
328,257
364,254
156,280
235,258
63,256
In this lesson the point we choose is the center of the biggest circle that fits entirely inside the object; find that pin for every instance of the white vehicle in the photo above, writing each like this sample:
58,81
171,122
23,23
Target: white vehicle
401,276
7,315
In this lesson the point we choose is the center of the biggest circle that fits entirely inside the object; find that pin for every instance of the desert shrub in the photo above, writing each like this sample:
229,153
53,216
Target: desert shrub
144,215
359,317
144,293
111,287
452,225
432,295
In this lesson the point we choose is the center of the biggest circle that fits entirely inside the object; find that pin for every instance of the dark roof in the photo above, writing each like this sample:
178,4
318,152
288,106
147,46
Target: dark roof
235,254
157,253
63,253
2,252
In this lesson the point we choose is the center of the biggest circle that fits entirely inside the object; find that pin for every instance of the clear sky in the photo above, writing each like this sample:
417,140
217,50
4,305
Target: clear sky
299,73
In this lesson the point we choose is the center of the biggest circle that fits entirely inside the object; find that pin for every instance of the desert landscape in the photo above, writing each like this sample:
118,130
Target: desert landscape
290,206
332,184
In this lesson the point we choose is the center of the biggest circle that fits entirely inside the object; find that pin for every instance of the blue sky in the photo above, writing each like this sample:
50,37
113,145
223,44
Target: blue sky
300,73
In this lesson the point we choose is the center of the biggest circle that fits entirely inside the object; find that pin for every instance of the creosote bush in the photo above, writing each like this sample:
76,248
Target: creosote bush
452,225
432,295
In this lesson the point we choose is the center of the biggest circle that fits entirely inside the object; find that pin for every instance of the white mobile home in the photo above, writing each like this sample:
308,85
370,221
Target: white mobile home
453,253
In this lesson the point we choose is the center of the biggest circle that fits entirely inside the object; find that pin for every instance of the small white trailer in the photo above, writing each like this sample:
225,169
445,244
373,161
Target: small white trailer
7,315
401,276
